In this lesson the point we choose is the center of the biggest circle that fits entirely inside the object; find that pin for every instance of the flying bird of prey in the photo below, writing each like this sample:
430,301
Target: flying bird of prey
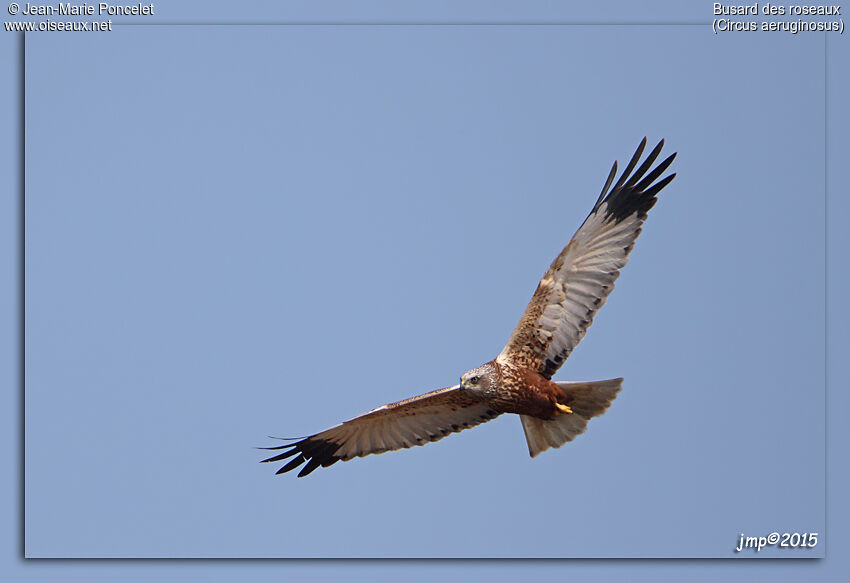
518,380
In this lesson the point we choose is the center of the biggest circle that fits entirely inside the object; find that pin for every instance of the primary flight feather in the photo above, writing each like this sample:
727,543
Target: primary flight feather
518,380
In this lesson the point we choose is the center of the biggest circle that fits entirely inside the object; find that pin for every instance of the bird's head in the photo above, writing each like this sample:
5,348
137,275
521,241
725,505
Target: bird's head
479,381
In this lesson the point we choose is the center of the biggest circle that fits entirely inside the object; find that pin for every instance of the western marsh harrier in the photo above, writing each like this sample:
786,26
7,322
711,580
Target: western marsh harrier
518,380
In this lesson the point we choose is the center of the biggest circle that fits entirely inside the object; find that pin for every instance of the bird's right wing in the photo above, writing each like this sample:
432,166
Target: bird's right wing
415,421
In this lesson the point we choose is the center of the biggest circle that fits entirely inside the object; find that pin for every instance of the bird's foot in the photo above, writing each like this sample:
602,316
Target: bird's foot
563,408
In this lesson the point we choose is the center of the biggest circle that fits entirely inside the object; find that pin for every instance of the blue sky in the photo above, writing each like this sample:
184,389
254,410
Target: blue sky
235,232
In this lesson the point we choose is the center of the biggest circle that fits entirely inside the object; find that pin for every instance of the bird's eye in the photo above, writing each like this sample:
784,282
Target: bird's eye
474,379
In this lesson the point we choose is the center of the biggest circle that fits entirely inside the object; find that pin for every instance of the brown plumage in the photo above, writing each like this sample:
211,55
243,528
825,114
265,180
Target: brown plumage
518,380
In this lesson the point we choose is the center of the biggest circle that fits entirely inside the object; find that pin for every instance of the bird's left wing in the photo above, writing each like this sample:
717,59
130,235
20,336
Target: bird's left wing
581,277
415,421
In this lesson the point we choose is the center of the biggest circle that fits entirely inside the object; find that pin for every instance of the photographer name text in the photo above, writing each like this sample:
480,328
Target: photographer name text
86,9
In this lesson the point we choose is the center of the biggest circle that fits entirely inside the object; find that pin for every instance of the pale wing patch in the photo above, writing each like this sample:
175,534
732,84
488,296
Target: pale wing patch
416,421
580,279
581,287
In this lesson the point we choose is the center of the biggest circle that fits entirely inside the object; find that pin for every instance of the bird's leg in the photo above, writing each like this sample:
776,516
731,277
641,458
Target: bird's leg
563,408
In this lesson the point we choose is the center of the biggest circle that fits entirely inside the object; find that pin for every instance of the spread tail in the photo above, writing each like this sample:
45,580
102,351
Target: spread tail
585,399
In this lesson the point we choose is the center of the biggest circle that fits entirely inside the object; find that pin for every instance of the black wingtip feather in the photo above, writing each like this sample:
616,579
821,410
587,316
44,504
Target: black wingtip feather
311,465
631,164
313,452
655,189
608,182
650,159
281,456
634,194
650,178
292,465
